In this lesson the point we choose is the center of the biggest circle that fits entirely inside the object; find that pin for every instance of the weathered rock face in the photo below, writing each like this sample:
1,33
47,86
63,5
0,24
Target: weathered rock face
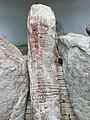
44,87
13,82
75,51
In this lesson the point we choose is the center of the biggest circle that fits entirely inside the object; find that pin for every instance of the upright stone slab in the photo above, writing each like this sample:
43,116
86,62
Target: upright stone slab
42,57
75,51
13,82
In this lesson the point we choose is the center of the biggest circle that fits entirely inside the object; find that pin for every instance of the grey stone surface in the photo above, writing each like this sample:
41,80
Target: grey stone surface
13,82
75,51
42,56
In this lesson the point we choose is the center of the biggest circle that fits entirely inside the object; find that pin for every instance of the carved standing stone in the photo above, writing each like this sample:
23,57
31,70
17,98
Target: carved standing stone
44,86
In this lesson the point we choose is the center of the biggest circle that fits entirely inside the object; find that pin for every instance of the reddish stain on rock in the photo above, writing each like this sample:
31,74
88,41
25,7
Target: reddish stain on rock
38,37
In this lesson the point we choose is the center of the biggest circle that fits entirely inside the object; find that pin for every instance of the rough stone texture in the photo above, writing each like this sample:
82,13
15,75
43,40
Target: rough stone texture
44,86
13,82
66,108
75,51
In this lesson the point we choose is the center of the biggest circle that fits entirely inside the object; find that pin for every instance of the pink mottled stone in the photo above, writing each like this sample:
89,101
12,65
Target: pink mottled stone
44,86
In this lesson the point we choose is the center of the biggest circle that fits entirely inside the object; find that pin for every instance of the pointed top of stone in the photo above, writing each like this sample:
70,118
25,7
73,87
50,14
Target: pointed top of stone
44,12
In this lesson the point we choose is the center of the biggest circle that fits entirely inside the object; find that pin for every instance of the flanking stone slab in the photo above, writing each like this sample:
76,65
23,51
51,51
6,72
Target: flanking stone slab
13,82
75,51
42,60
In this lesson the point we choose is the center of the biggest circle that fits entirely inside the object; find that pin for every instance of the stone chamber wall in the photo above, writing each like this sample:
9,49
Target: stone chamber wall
63,88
